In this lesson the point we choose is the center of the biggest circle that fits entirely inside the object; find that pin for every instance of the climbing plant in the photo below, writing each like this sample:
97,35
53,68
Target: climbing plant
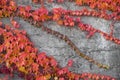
18,54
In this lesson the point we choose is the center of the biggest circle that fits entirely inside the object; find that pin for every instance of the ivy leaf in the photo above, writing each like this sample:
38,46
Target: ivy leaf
35,1
22,69
35,17
15,23
79,2
63,71
60,22
28,8
41,78
12,3
48,76
90,34
61,78
1,48
53,62
22,11
60,1
1,14
77,77
70,63
56,17
50,1
42,55
35,67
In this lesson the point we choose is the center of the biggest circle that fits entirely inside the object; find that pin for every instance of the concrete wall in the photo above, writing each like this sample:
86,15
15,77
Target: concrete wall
97,47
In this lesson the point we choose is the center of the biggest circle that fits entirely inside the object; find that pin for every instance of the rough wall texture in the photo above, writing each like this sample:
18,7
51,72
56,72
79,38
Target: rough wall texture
97,47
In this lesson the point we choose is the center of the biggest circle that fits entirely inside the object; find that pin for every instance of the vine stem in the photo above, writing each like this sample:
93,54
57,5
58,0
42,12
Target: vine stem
74,47
61,36
69,42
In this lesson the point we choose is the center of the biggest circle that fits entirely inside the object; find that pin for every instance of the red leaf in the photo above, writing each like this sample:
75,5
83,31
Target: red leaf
61,79
70,63
15,24
35,67
53,62
28,8
35,17
50,1
60,1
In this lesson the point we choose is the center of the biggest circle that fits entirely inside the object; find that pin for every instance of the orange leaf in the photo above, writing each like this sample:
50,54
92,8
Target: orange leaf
22,69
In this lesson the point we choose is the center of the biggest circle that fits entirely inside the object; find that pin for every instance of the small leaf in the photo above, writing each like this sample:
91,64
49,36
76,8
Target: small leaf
70,63
15,24
22,69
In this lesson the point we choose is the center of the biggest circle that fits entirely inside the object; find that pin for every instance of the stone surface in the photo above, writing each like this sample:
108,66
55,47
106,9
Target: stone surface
97,47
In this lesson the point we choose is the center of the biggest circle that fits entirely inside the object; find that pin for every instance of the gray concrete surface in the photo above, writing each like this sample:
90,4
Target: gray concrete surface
97,47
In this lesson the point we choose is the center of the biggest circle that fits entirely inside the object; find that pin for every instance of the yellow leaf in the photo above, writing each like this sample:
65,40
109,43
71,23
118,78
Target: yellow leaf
7,64
22,69
48,76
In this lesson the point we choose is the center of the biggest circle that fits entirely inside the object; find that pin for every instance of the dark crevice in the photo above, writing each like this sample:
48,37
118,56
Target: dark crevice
4,51
1,39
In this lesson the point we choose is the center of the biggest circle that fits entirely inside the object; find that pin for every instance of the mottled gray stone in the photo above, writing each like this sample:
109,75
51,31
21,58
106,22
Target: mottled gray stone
96,47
